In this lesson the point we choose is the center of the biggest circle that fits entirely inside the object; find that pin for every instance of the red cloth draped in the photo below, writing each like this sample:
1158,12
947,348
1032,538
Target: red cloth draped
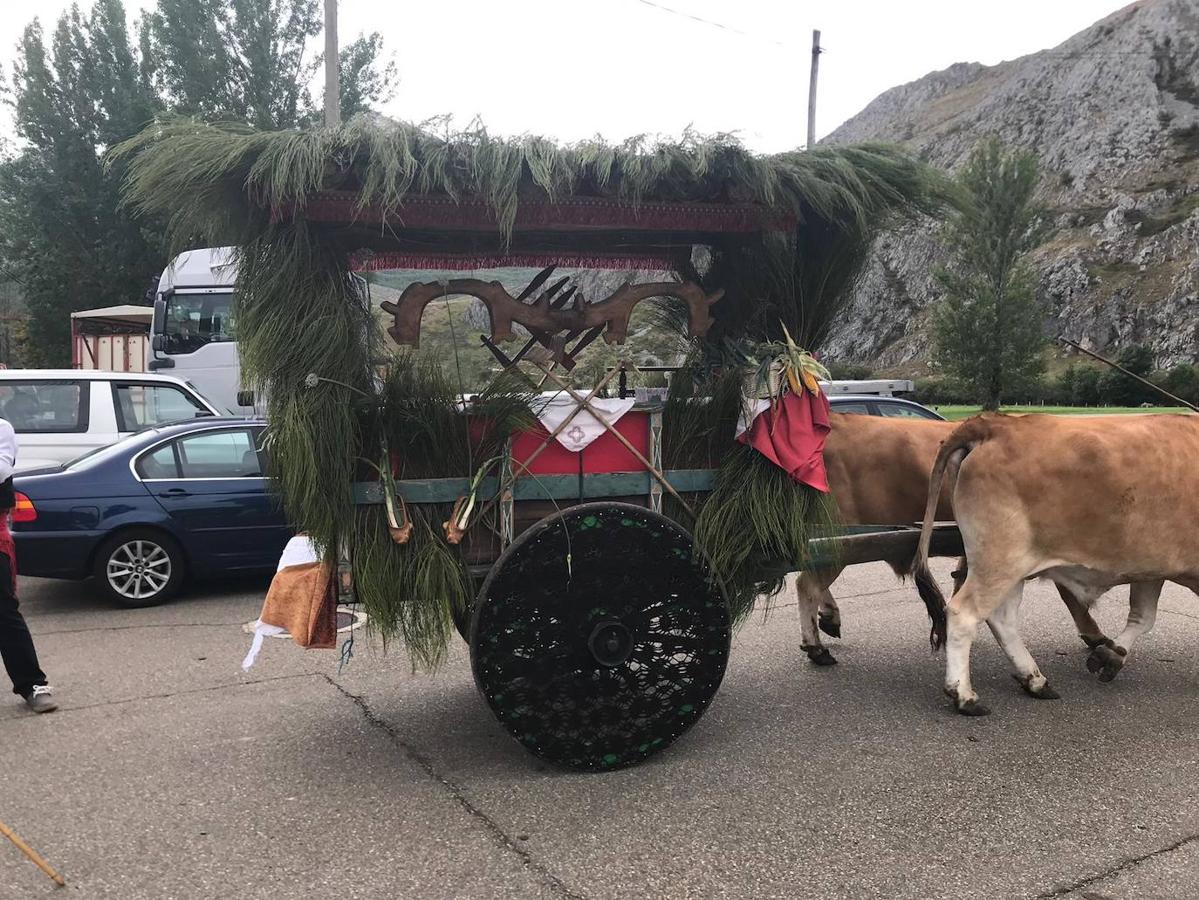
791,434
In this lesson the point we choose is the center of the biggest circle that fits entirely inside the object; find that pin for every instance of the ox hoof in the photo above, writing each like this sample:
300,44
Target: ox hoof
821,657
1094,642
829,623
1044,692
972,708
1106,662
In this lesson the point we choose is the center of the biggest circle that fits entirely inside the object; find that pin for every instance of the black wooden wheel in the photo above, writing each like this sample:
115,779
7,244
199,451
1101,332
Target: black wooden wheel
598,637
462,619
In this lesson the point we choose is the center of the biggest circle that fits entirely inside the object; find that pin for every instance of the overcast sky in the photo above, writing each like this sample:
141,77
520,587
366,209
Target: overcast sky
572,69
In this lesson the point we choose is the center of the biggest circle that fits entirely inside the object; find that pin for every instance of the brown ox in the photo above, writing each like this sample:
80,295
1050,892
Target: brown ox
878,470
1088,502
878,474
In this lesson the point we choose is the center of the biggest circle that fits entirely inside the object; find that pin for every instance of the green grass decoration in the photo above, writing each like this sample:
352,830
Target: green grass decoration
755,524
409,591
307,341
307,355
422,423
699,420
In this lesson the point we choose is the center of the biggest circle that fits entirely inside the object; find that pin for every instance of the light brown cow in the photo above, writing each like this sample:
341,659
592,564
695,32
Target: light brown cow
878,474
1090,502
878,470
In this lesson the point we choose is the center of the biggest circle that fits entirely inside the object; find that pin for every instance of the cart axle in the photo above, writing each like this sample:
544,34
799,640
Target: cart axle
610,643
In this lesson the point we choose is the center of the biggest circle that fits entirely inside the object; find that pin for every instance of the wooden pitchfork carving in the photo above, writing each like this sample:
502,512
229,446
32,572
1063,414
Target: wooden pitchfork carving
540,316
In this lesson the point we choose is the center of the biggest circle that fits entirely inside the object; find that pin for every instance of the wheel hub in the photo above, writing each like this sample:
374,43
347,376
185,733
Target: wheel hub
610,643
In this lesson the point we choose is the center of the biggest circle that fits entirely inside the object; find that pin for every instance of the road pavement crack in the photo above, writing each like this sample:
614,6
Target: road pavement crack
1175,612
506,841
1117,869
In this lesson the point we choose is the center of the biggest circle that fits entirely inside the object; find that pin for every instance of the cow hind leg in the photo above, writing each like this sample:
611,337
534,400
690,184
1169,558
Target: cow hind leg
1106,660
959,574
1078,603
1004,624
810,588
973,603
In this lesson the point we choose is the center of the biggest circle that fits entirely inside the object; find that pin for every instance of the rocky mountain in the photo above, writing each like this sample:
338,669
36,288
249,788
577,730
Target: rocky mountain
1113,114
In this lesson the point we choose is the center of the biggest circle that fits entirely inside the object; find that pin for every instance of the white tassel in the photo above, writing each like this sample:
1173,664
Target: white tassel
260,631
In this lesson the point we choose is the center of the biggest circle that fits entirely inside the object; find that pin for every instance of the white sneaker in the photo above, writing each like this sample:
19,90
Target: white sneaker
40,699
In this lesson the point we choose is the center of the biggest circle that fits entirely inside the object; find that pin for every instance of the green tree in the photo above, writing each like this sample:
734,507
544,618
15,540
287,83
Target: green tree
988,326
1117,389
1066,385
77,91
1087,387
62,232
1182,381
253,60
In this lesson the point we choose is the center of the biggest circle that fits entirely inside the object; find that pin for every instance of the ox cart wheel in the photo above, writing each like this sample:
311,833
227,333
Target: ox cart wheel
598,638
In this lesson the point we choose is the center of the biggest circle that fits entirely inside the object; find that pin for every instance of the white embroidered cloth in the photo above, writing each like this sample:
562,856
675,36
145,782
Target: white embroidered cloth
584,427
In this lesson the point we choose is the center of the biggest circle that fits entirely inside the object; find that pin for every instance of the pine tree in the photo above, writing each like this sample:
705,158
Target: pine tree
988,326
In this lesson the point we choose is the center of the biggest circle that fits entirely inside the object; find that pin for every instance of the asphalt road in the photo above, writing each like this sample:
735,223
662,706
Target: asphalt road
169,774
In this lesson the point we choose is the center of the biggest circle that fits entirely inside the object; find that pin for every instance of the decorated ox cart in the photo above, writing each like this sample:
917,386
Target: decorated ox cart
595,550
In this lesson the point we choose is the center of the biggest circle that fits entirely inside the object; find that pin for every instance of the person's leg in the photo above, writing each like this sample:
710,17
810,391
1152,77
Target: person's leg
16,644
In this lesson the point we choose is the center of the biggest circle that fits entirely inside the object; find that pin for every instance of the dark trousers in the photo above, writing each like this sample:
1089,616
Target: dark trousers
16,644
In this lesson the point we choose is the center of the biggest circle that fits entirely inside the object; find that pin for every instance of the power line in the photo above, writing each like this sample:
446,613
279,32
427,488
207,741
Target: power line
703,21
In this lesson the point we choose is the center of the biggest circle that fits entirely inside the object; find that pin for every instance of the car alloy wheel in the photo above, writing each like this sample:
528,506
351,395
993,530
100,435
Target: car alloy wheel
138,570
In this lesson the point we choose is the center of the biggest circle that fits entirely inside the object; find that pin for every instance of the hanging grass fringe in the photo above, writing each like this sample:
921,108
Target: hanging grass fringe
422,419
409,591
755,525
699,420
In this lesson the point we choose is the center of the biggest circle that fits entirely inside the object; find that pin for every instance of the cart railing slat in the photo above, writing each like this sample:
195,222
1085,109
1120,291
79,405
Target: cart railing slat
539,487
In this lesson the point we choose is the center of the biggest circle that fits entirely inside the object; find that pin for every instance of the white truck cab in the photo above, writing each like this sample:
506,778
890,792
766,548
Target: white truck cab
194,333
61,414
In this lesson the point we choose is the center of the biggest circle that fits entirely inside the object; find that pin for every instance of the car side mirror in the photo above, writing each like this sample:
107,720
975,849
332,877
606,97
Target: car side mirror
158,343
245,398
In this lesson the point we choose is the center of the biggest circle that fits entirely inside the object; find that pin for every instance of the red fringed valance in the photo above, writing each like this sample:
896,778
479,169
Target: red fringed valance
376,262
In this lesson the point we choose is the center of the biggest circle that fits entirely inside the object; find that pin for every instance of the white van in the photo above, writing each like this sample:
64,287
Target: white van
60,414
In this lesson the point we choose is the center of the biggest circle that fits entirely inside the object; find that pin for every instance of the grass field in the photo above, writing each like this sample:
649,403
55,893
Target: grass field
954,413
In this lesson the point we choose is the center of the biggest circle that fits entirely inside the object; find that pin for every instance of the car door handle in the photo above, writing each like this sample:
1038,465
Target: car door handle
175,492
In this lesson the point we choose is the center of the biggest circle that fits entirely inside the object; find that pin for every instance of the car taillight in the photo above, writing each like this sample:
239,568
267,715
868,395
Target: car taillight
24,510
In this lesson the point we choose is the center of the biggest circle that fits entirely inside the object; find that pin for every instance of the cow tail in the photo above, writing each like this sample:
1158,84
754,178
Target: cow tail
949,458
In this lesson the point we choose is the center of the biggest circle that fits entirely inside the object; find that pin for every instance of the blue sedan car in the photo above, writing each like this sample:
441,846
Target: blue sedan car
144,514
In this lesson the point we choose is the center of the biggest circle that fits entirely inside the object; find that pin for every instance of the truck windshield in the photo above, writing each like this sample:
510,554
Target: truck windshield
193,320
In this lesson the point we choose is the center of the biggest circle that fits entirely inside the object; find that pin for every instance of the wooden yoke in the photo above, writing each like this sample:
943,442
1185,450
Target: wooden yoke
541,316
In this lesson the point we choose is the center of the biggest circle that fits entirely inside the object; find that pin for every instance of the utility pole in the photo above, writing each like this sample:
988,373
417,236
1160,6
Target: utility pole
816,51
332,67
